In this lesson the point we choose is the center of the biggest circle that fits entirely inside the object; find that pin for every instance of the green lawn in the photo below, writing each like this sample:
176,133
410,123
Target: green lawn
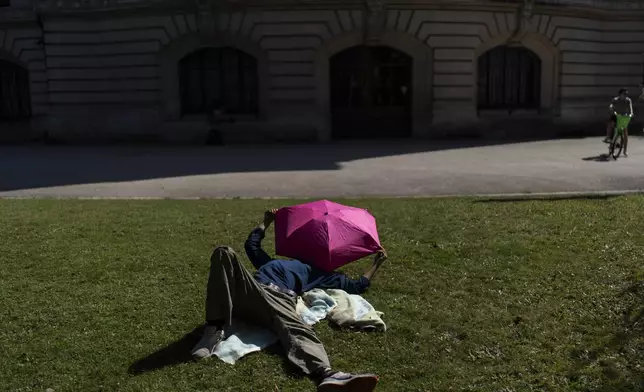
478,296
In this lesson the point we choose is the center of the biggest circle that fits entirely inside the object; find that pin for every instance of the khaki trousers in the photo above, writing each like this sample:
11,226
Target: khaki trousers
234,293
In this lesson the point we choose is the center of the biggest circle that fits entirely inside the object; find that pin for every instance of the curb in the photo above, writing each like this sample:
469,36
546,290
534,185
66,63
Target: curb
492,196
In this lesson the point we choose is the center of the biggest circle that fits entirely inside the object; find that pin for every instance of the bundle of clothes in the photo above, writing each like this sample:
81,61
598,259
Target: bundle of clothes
340,308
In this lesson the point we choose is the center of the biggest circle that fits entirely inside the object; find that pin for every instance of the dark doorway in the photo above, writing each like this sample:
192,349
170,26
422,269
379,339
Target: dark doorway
15,97
509,78
371,90
225,75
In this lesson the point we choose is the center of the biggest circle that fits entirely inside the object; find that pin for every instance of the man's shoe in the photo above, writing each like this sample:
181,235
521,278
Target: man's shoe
606,140
348,383
211,338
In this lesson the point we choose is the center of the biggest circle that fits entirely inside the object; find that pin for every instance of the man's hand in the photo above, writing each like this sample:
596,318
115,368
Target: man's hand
380,258
269,216
378,261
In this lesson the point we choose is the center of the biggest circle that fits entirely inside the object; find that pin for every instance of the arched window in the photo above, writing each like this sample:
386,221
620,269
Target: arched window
509,78
15,99
227,76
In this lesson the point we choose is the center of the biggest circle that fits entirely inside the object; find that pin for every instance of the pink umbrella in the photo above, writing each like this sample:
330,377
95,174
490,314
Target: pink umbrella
324,234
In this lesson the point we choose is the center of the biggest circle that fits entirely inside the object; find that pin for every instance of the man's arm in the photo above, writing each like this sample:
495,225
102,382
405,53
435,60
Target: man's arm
378,261
630,105
253,245
343,282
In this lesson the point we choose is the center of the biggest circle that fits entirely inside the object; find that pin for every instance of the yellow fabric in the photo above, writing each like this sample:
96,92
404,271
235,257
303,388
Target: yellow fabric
353,311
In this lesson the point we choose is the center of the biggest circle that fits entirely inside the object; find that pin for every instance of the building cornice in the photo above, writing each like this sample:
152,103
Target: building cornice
10,17
552,7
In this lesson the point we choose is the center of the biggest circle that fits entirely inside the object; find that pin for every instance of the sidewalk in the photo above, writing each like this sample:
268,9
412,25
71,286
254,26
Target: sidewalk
335,170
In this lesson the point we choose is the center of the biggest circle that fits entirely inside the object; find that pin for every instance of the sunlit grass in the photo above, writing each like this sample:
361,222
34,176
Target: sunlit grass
520,296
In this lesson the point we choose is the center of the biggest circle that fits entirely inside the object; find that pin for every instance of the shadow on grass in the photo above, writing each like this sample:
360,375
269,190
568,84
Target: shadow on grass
173,354
546,198
625,344
287,367
180,352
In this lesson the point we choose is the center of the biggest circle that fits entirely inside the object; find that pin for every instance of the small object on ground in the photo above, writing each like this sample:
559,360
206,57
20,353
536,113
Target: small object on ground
348,383
211,338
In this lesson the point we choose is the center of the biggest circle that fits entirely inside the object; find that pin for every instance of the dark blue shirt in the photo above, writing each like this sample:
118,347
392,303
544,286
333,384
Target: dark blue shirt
295,275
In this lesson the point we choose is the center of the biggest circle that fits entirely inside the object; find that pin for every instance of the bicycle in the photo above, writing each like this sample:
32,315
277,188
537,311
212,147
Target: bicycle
617,142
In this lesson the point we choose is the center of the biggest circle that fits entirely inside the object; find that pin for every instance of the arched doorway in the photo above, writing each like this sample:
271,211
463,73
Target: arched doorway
509,78
224,75
371,90
15,97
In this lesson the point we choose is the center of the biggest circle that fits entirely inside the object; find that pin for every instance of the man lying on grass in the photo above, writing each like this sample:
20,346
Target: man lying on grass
269,298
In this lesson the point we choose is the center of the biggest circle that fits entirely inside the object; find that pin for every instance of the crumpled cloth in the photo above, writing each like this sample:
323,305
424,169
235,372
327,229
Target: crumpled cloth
314,306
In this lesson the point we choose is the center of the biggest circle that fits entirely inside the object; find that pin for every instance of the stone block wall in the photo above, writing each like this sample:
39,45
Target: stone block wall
112,74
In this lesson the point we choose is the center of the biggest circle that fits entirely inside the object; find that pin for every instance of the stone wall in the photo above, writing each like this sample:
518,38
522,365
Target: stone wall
598,58
20,44
112,75
104,75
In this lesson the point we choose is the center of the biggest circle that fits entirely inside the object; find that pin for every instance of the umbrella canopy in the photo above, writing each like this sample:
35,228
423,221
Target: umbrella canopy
324,234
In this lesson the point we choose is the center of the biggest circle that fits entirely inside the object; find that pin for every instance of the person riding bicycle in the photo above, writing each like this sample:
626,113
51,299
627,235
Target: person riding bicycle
622,105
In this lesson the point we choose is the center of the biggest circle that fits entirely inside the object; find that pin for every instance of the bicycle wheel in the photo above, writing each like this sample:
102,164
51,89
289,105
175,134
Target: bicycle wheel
617,146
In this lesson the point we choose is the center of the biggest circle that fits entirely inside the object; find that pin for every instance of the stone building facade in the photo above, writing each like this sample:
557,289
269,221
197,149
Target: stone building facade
311,69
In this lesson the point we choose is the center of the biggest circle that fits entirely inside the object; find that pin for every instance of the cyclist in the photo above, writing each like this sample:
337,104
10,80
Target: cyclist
622,105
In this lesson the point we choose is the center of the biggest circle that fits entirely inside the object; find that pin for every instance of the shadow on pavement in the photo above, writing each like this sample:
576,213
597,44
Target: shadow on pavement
546,198
598,158
30,167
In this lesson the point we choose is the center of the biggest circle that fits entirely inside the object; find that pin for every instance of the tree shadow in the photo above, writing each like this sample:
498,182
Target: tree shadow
631,333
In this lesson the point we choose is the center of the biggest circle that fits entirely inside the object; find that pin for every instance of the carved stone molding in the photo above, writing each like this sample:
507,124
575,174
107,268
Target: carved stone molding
523,21
375,8
527,11
205,18
10,17
54,6
376,12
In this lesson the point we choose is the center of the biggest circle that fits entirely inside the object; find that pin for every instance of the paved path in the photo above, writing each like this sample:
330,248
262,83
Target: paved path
318,170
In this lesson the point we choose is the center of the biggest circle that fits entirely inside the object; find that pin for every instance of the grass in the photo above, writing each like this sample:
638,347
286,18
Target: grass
518,296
